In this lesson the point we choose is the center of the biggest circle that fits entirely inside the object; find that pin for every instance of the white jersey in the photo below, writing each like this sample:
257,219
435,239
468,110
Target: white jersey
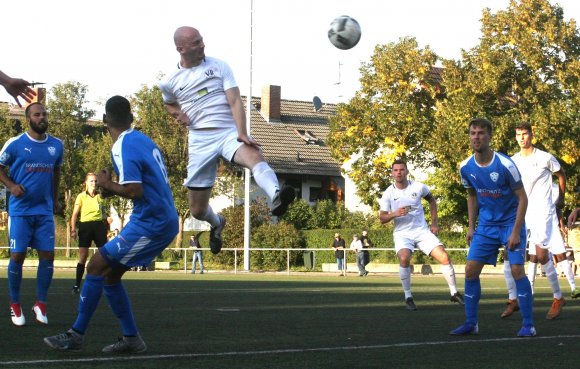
394,198
536,171
200,92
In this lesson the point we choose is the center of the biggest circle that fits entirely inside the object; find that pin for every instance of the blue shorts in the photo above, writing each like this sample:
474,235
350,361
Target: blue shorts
34,231
487,241
132,247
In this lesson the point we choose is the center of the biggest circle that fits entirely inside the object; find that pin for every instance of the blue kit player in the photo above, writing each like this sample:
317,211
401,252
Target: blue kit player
497,201
142,178
34,160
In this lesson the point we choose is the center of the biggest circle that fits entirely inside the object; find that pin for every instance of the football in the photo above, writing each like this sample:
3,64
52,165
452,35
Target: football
344,32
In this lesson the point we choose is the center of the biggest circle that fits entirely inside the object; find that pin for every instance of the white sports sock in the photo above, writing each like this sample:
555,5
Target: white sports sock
449,274
567,268
532,271
552,276
405,275
211,217
510,281
266,179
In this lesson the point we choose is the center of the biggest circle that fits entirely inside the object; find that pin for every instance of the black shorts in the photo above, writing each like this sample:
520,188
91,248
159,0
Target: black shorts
95,231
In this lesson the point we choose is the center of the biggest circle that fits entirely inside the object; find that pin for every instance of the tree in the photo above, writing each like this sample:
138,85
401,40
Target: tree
153,120
389,117
525,68
67,116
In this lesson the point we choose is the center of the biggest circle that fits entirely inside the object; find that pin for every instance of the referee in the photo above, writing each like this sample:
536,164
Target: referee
91,226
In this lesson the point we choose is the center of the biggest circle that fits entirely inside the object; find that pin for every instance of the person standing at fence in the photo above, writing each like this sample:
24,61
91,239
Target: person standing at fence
357,246
197,254
339,245
496,208
92,226
34,159
154,223
367,243
401,203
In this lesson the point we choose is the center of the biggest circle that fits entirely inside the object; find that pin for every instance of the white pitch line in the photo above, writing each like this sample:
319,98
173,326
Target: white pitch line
281,351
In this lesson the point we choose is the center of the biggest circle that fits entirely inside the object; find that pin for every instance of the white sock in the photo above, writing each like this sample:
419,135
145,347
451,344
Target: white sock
449,274
552,276
532,271
405,275
567,268
211,217
266,179
510,281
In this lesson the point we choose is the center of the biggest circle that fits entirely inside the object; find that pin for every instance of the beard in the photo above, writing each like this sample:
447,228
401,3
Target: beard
40,127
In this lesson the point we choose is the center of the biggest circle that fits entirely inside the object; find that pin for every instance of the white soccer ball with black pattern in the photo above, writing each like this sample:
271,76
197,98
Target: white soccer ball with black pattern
344,32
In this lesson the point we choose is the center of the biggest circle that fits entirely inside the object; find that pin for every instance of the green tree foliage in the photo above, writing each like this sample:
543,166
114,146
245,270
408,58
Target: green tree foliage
326,214
389,117
153,120
299,214
525,68
281,235
233,233
67,116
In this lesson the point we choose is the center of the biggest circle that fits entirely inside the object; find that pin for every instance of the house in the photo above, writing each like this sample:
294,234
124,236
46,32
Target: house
292,135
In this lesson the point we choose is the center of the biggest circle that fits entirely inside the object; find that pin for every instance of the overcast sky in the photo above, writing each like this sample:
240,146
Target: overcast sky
116,46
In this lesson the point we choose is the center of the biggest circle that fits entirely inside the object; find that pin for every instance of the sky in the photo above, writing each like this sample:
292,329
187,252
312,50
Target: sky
114,47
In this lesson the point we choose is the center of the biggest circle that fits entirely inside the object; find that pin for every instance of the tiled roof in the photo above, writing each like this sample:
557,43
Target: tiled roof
284,148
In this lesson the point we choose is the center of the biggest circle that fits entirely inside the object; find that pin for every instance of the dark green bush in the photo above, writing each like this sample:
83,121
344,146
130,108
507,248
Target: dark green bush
282,235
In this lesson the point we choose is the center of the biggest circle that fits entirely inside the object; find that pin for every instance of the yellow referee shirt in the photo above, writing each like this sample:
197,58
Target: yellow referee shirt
90,207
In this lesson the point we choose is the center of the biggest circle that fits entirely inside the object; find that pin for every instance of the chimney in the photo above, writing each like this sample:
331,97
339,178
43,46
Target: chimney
270,104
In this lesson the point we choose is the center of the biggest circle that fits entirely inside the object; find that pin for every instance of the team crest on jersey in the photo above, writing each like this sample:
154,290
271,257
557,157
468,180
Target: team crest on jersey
494,176
414,195
4,156
51,150
209,73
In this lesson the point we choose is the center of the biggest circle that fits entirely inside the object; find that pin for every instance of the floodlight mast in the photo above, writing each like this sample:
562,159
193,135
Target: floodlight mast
247,172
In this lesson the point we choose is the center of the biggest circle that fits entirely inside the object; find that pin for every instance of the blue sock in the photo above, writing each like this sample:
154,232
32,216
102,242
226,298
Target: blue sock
121,306
525,299
88,301
43,278
14,280
472,294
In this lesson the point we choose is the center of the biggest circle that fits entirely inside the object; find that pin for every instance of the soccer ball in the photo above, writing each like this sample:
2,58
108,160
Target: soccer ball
344,32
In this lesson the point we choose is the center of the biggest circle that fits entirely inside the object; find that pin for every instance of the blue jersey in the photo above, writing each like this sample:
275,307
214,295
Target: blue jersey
32,164
136,159
494,185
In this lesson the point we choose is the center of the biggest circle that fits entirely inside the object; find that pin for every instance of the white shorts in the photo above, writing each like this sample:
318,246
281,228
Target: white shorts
423,239
555,242
206,146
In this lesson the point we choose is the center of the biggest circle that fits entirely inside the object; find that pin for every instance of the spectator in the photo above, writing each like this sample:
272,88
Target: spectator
338,245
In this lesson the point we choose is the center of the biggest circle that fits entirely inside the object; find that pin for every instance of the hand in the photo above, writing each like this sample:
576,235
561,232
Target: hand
248,140
403,211
18,87
183,119
513,241
103,180
17,190
469,236
435,229
73,233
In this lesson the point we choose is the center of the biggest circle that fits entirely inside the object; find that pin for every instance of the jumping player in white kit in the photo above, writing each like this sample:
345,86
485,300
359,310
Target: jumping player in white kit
202,95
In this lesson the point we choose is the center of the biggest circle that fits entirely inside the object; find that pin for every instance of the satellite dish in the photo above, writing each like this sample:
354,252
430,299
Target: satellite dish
317,103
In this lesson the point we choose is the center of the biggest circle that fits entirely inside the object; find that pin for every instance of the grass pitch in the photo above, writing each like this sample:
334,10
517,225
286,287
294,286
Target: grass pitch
297,321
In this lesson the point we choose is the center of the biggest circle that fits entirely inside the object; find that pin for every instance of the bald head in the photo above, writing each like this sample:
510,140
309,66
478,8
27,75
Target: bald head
189,44
184,34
